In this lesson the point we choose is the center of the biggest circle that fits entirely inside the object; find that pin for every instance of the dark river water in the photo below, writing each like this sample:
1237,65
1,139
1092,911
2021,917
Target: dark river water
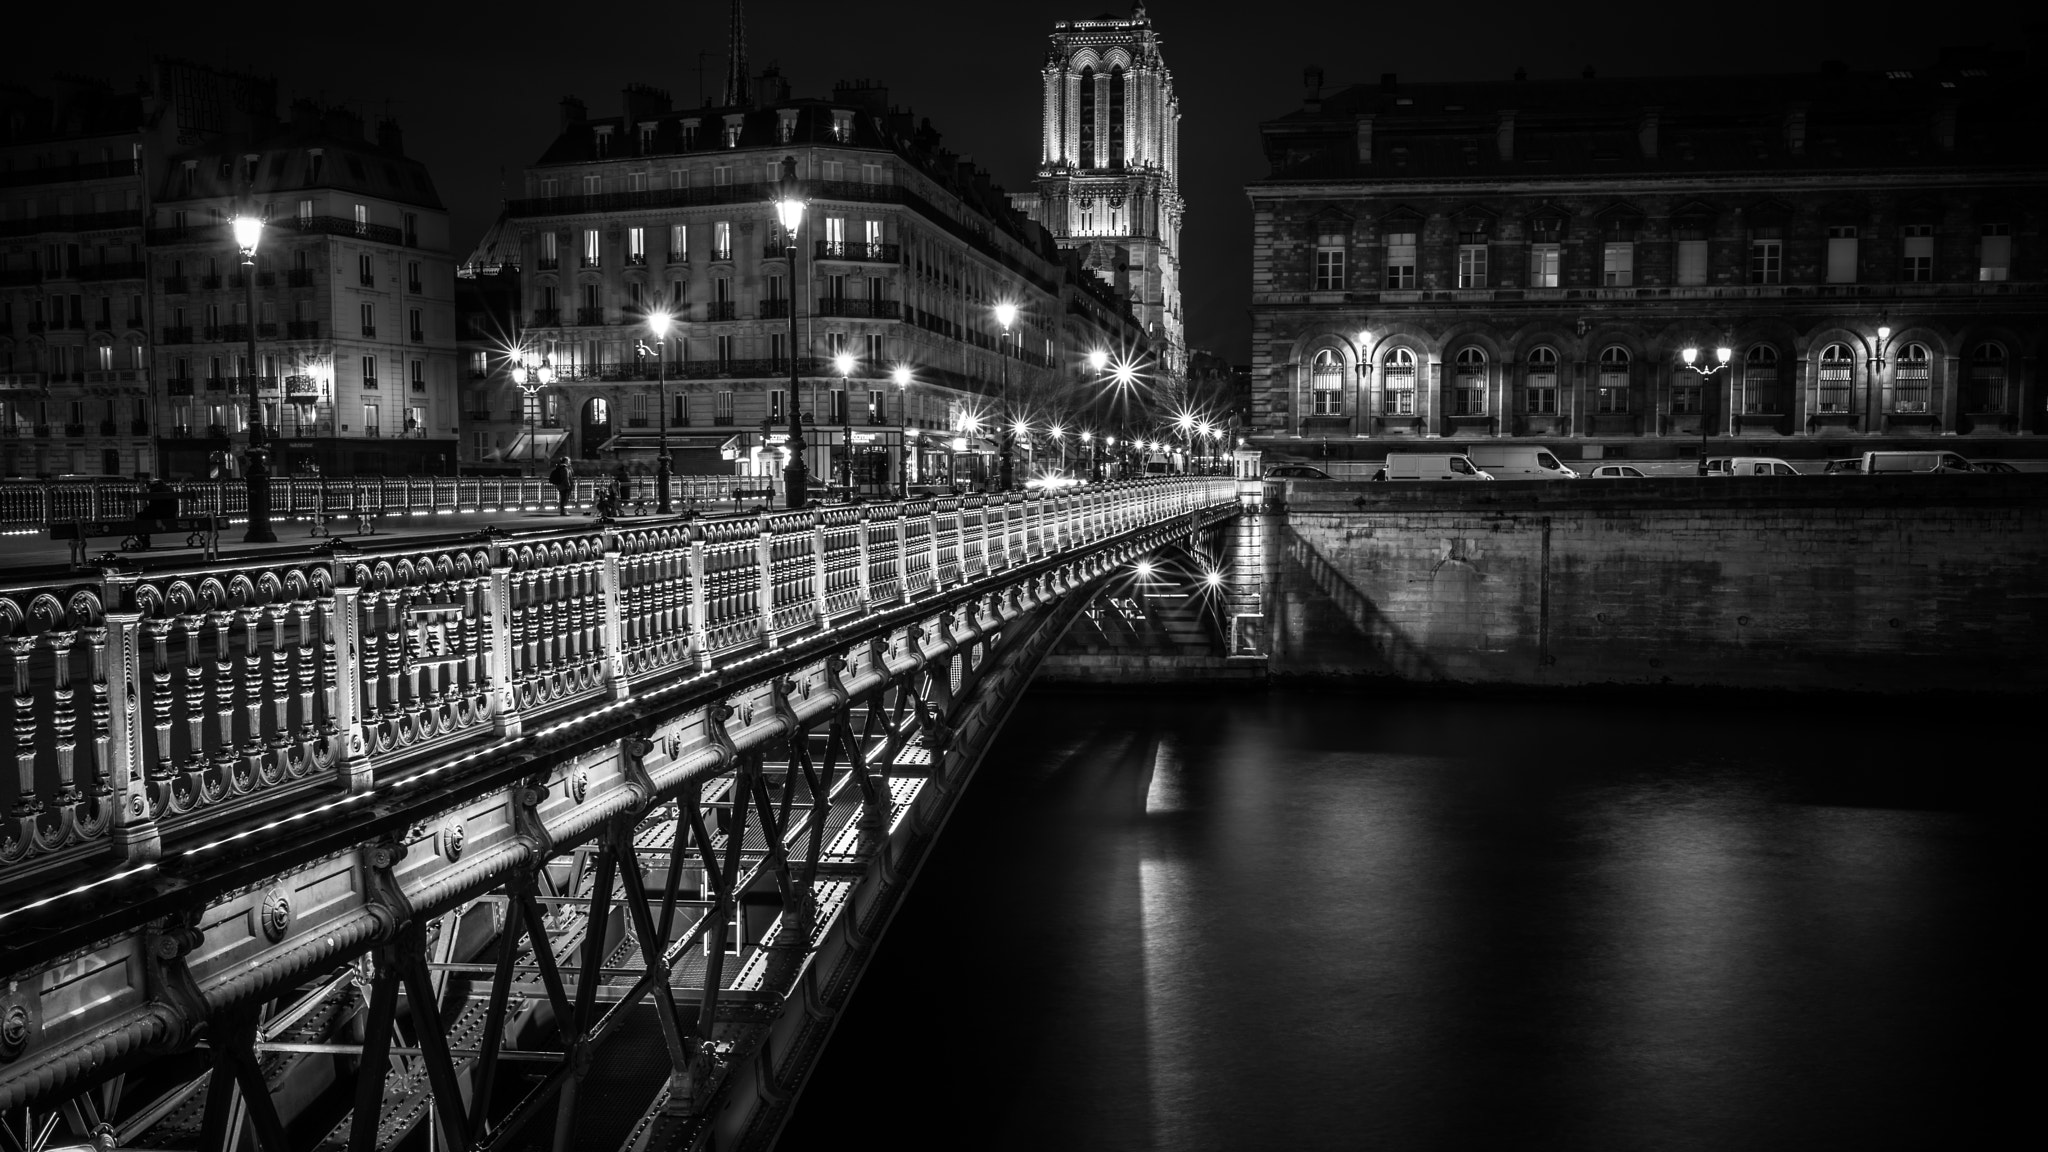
1301,920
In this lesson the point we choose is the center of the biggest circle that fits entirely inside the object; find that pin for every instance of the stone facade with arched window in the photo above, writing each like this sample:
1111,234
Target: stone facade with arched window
1533,271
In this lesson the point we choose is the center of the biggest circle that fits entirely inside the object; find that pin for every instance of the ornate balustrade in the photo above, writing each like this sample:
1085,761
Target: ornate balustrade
155,706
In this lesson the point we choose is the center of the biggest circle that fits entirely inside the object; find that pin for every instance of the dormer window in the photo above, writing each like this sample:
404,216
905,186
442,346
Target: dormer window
601,141
733,124
842,127
647,133
785,125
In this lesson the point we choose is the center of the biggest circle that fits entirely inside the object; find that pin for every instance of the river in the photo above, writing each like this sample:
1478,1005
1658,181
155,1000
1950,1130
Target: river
1306,920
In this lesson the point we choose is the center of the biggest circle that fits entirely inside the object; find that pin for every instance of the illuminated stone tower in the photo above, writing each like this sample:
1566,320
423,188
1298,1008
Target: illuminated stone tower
1109,165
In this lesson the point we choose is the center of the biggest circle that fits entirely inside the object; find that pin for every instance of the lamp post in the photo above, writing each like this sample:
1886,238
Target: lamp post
1006,313
658,323
1691,356
248,229
1872,394
532,372
789,210
844,363
901,375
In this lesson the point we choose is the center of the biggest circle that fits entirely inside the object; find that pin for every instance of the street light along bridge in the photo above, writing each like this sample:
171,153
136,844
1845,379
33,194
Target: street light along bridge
533,792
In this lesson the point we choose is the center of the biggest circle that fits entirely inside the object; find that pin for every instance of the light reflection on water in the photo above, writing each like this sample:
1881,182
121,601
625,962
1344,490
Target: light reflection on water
1309,921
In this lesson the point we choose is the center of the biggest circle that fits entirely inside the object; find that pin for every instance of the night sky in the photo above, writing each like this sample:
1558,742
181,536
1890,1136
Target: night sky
476,87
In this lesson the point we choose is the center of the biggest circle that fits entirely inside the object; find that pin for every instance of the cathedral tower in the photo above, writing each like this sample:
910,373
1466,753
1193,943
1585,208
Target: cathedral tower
1109,164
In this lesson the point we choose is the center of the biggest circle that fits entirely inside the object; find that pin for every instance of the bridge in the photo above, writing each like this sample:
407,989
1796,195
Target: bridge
569,838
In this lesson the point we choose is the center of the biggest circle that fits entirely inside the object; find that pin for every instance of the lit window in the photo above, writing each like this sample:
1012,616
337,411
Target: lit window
636,245
1472,260
721,240
1618,265
1767,254
1831,384
1919,252
1994,255
593,250
1842,254
1913,380
678,244
1330,261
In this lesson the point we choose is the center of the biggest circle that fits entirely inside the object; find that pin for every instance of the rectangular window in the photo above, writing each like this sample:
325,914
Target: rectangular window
871,233
419,375
1400,259
1919,252
1692,262
636,245
366,271
1767,254
875,415
1618,265
1612,392
1545,260
305,209
838,415
369,372
721,240
1685,398
362,219
1398,391
593,247
775,401
874,349
550,250
678,243
370,425
1994,252
1539,394
1912,385
418,327
1472,264
721,407
1841,254
369,318
1330,262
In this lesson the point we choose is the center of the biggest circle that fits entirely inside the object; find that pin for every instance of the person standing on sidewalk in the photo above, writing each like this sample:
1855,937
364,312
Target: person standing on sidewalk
560,479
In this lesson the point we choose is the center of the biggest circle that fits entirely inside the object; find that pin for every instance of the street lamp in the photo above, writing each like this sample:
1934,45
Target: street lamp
532,372
844,363
248,229
901,375
658,323
1006,314
1691,356
789,210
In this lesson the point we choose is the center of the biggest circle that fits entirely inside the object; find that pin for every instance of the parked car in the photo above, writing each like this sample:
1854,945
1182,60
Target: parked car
1997,466
1617,472
1520,462
1894,463
1716,466
1430,466
1759,466
1295,472
1850,465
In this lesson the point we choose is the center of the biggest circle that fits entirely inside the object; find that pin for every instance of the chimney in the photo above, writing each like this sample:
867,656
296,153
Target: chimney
1365,139
1312,88
1795,129
305,115
1504,134
1389,81
573,112
389,138
1646,132
1945,125
343,124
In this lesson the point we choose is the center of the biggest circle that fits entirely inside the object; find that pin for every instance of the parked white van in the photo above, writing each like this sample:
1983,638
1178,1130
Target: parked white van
1759,466
1520,462
1430,466
1877,463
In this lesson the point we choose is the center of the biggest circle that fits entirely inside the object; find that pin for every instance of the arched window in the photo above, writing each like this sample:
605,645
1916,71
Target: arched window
1760,394
1986,392
1398,383
1469,385
1837,373
1913,379
1539,386
1613,387
1116,116
1326,384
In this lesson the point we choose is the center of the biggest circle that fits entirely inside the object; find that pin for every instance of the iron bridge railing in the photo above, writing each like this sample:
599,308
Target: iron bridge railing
150,706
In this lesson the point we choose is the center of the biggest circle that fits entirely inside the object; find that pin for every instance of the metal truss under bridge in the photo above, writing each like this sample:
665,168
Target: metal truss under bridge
568,839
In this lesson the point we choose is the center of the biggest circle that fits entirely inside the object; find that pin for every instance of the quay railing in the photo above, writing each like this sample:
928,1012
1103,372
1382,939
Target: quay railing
152,705
31,506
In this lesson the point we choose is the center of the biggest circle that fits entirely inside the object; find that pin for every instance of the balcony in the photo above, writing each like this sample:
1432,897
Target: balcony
122,271
42,432
180,386
372,431
298,277
859,251
636,259
302,329
546,318
591,262
724,253
138,427
216,384
37,327
369,329
477,416
370,383
419,385
181,431
266,331
302,388
418,337
367,279
19,277
103,324
721,310
413,286
675,257
637,422
74,430
590,317
772,251
546,265
209,283
773,309
871,309
178,335
266,279
217,431
106,427
338,226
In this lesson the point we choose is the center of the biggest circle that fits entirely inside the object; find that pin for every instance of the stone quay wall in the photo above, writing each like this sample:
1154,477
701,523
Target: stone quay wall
1847,583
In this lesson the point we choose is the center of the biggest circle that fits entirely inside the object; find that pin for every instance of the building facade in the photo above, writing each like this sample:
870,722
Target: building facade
74,327
904,253
1531,259
354,309
1109,165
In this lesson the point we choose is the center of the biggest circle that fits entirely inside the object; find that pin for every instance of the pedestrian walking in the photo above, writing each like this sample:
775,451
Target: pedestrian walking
560,479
